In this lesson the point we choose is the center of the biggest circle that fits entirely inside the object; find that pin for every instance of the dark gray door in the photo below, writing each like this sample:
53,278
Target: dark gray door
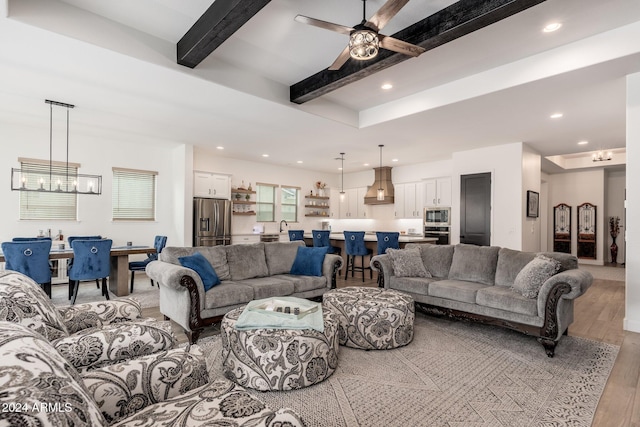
475,209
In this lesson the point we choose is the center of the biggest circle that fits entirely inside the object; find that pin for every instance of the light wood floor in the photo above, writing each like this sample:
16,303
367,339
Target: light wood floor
598,315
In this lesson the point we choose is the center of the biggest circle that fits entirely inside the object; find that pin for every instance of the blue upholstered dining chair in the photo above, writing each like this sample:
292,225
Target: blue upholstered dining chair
91,261
30,258
70,239
321,239
354,247
296,235
159,243
386,240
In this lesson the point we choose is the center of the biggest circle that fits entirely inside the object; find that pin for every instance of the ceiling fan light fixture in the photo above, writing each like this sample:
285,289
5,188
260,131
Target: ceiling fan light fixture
363,44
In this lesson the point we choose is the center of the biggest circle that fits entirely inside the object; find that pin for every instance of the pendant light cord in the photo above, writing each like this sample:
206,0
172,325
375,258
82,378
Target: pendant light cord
50,143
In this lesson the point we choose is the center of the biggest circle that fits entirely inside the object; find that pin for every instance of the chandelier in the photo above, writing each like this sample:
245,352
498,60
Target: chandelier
57,177
601,156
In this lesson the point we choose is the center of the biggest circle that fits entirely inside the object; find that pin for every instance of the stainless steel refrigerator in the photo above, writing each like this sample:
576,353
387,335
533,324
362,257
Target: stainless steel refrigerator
211,222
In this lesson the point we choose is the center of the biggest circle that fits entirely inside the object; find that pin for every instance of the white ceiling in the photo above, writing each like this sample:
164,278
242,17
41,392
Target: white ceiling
116,61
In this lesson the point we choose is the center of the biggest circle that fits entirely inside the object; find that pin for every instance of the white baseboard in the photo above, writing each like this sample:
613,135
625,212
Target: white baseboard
631,325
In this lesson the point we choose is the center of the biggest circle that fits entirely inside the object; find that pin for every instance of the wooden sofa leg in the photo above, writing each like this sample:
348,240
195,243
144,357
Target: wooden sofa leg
549,346
193,335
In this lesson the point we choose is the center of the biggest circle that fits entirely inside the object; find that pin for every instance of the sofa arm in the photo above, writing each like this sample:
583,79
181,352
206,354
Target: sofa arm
123,389
578,280
332,263
170,275
382,264
94,348
98,314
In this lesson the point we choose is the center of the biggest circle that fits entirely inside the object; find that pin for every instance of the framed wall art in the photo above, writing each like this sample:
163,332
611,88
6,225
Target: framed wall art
533,204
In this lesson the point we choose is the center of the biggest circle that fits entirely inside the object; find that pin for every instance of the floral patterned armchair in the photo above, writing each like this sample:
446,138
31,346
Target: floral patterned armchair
87,335
40,387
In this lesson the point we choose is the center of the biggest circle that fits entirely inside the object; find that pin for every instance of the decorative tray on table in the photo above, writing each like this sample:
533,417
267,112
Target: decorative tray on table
286,309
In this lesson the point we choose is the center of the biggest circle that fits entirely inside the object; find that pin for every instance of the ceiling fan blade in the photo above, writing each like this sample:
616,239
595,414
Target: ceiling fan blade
399,46
340,60
385,13
324,24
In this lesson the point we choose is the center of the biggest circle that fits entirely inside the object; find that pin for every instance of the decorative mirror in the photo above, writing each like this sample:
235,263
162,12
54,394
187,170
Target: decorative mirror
587,231
562,228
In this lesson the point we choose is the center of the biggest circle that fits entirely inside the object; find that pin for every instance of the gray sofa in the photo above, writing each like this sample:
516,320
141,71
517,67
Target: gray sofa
247,272
477,283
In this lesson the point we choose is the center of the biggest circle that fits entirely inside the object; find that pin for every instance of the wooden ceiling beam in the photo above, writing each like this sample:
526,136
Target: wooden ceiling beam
450,23
217,24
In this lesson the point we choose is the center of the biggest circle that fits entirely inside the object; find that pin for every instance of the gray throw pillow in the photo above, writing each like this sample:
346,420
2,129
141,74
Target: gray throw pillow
533,275
407,263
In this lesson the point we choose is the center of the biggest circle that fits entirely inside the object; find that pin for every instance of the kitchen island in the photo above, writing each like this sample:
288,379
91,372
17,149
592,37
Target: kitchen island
370,241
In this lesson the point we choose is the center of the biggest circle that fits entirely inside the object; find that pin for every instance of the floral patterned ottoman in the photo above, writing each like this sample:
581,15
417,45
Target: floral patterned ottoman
279,359
372,318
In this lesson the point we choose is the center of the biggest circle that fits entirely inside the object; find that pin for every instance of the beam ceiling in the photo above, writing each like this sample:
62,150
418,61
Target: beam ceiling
450,23
217,24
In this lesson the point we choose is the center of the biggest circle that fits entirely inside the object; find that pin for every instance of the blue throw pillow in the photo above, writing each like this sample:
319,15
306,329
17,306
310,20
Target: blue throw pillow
203,267
309,261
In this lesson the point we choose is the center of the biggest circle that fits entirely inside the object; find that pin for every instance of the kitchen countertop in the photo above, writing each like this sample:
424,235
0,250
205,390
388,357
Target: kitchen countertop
371,237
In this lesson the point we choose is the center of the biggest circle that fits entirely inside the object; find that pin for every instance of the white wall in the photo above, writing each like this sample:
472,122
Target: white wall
505,164
614,199
575,188
531,181
96,156
632,319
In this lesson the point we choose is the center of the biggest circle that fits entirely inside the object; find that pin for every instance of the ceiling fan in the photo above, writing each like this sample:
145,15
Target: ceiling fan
364,38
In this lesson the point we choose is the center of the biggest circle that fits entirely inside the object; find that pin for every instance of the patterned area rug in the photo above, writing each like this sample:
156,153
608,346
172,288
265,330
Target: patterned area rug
453,374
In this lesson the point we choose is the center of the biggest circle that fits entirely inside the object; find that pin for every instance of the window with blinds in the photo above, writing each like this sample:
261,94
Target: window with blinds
134,195
265,202
47,205
289,203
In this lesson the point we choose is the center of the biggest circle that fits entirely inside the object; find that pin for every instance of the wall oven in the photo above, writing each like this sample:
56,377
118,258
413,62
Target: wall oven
437,217
439,232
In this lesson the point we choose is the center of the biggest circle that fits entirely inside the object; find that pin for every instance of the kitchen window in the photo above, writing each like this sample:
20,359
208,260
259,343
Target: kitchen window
265,202
289,203
134,195
47,206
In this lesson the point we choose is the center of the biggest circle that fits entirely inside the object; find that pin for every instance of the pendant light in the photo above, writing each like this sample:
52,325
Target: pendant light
55,179
380,189
342,184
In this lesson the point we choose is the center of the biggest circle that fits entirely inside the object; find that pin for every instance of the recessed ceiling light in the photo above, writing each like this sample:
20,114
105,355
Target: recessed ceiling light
550,28
583,142
265,155
299,161
366,164
386,86
220,148
556,115
394,160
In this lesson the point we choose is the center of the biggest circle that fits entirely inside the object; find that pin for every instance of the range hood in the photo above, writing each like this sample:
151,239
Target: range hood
383,180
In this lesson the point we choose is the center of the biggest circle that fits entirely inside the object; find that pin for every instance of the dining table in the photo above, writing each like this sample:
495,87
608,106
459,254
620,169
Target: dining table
119,263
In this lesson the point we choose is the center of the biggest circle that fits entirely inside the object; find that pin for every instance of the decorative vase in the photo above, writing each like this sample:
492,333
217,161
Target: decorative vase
614,251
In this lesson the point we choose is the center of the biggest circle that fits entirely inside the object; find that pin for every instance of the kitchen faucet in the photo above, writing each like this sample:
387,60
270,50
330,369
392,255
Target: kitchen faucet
285,223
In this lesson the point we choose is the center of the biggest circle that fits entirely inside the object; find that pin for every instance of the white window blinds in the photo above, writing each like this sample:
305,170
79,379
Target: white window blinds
47,205
134,195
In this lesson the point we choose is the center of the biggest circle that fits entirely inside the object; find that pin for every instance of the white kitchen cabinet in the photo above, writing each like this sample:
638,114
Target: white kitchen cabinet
409,199
352,206
334,203
245,239
438,192
211,185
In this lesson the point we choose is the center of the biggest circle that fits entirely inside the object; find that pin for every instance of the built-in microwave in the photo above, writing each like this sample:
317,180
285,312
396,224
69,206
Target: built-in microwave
437,216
